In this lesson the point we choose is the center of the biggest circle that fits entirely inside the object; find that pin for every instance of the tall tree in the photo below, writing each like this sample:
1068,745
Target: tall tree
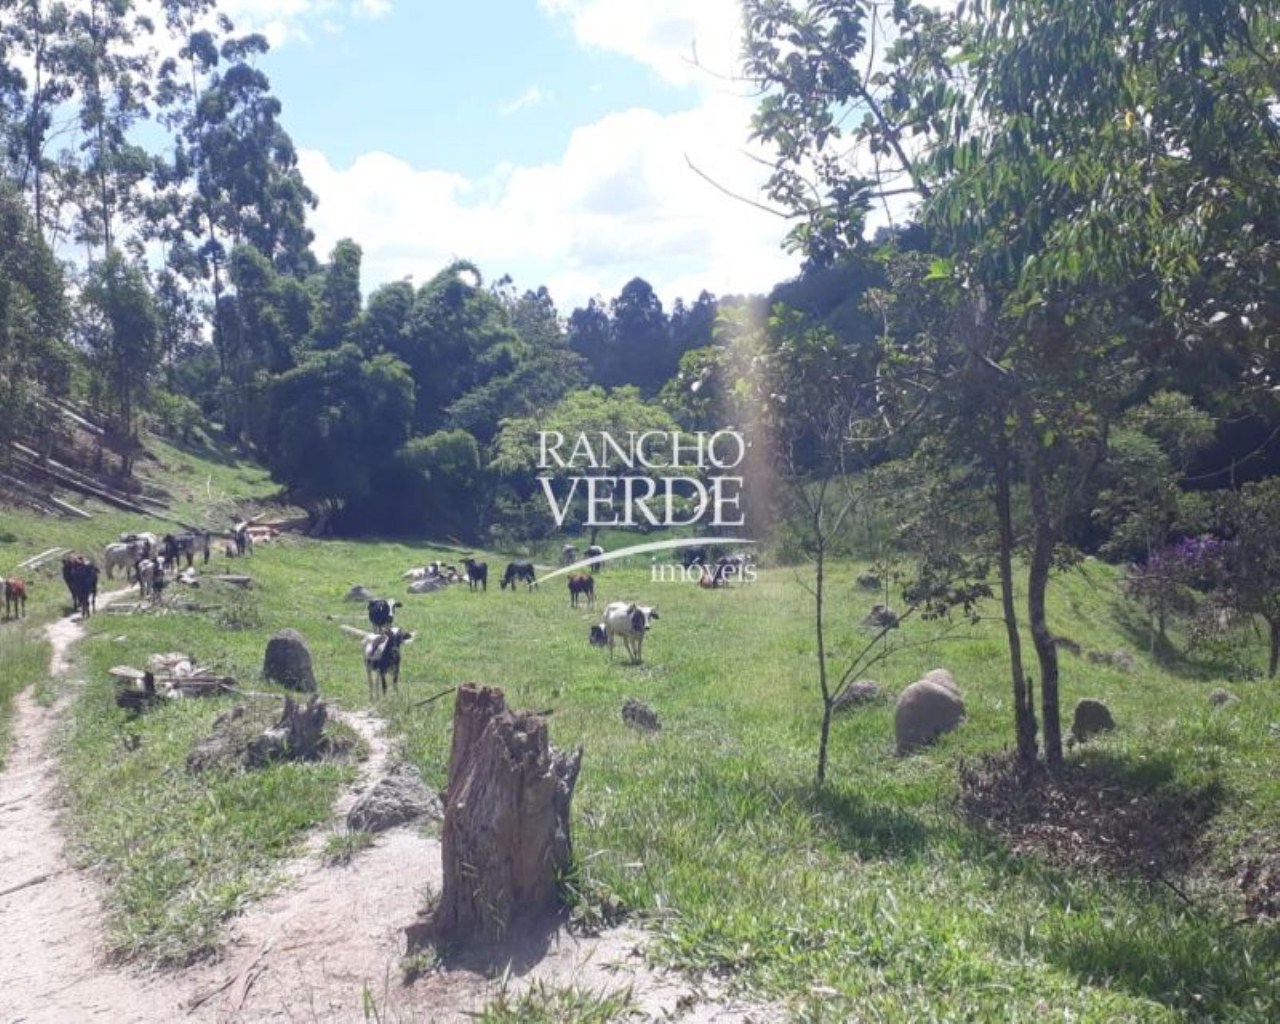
119,328
34,361
639,339
340,295
111,69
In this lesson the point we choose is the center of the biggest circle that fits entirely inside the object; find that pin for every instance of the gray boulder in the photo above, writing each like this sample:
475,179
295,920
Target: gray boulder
864,691
1221,698
1091,717
288,662
926,709
869,581
640,716
881,617
1118,659
397,797
360,593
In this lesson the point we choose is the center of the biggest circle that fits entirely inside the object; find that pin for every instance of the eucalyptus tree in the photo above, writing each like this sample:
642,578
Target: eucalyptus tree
34,360
108,62
119,328
34,84
639,350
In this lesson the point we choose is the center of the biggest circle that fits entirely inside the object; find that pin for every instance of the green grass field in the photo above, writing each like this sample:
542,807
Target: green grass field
869,900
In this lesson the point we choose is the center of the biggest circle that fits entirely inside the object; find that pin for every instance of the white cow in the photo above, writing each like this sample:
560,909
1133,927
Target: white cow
125,555
624,619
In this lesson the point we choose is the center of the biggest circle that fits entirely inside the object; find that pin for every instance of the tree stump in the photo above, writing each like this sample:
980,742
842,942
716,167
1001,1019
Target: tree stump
505,840
296,736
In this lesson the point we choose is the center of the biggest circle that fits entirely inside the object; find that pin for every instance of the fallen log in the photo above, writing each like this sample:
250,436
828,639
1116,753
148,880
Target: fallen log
239,581
35,561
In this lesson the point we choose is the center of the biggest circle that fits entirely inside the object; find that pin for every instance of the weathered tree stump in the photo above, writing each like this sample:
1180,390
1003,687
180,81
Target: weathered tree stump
296,736
505,840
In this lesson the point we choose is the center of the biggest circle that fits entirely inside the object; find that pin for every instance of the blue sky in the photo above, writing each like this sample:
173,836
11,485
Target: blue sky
546,139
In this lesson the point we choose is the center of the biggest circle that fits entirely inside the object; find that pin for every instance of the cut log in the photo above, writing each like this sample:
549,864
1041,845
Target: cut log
505,841
239,581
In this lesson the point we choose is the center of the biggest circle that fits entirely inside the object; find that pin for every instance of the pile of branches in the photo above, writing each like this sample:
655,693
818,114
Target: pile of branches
1095,815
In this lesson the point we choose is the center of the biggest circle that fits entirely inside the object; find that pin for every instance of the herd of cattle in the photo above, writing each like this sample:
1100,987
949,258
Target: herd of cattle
146,559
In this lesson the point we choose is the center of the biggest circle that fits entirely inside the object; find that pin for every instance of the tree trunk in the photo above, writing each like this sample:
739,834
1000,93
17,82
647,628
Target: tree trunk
1024,711
1274,662
1046,650
505,840
819,611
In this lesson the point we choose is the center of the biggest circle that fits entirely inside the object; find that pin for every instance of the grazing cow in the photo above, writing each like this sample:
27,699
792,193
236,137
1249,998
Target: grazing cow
477,574
518,571
627,620
15,598
594,552
243,538
81,577
147,540
690,557
581,585
145,573
124,555
568,554
729,566
382,655
381,614
183,544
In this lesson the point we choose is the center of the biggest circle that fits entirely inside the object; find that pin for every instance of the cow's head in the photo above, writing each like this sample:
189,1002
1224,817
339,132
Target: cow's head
597,635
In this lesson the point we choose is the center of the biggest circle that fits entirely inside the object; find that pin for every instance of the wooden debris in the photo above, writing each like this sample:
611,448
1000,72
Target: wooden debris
27,884
239,581
187,681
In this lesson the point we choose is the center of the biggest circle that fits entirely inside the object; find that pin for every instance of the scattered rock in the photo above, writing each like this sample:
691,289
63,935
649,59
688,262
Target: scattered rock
288,662
926,709
864,691
360,593
397,797
869,581
1091,717
881,617
1119,659
1221,698
640,716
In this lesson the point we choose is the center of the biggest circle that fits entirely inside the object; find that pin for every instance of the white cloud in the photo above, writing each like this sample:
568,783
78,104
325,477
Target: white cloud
620,202
285,21
685,42
530,98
